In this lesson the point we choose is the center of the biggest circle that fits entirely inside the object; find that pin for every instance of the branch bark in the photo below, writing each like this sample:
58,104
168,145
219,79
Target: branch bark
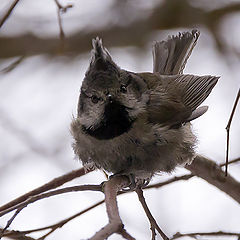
115,225
153,223
194,235
8,13
48,186
35,198
213,174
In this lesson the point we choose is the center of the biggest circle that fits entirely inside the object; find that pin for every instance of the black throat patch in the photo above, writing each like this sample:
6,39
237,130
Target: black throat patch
116,122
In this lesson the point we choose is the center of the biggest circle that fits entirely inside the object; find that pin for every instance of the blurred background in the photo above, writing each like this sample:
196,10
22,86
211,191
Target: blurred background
43,59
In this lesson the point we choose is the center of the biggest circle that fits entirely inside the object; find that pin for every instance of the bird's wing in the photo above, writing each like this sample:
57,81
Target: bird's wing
170,56
194,89
174,99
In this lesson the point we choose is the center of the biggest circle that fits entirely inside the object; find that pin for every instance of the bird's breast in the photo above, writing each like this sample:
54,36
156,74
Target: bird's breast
115,122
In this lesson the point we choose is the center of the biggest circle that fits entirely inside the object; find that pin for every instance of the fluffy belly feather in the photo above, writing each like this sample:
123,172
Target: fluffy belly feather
148,150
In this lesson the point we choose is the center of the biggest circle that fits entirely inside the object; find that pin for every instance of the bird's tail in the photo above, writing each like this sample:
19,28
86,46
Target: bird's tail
170,56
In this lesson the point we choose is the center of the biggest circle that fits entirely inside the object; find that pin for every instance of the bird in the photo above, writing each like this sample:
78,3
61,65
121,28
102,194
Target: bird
139,124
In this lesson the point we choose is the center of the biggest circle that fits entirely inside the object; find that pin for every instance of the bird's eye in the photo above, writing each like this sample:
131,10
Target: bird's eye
123,89
94,99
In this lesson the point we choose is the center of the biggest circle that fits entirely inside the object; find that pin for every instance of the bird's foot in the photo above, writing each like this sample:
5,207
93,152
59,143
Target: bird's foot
135,182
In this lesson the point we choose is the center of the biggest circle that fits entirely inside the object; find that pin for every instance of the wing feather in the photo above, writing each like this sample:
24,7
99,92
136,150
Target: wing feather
195,89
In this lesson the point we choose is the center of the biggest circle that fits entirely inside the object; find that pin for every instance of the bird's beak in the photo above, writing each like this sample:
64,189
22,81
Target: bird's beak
109,98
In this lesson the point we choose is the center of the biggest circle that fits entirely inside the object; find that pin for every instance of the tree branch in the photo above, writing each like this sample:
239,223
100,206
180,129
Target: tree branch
8,13
135,33
115,225
35,198
228,128
61,9
52,227
48,186
213,174
153,223
172,180
220,233
201,167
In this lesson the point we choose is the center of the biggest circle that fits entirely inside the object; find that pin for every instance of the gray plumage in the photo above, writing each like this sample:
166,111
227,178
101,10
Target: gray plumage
170,57
139,123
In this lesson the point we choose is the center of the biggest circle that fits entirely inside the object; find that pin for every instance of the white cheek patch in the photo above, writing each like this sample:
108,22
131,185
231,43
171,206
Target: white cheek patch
91,119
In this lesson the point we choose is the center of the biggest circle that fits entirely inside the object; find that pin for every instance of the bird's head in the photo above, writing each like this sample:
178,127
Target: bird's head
110,98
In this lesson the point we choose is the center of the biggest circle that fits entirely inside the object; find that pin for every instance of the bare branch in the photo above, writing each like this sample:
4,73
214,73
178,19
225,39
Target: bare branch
59,224
35,198
201,167
18,236
10,222
48,186
13,65
172,180
153,223
115,225
61,9
220,233
52,227
213,174
228,128
230,162
8,13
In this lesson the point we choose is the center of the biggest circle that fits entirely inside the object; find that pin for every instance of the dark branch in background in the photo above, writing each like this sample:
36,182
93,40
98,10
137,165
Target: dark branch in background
8,123
8,13
13,65
153,223
220,233
61,9
134,33
228,128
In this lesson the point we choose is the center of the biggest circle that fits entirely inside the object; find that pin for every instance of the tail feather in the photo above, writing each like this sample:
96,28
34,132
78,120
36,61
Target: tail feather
170,57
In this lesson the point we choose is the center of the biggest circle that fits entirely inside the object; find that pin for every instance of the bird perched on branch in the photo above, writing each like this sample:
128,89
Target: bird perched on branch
138,124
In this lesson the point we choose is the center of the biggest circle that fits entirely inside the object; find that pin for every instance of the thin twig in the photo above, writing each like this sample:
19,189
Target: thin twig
56,182
61,9
17,235
12,66
228,128
230,162
10,222
53,226
172,180
153,223
50,194
220,233
8,13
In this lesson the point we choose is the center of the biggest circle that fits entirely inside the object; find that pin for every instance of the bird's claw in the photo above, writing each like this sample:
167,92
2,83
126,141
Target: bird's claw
134,182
